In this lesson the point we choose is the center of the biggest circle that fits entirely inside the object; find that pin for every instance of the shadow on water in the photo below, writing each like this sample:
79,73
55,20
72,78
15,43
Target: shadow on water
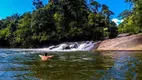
100,65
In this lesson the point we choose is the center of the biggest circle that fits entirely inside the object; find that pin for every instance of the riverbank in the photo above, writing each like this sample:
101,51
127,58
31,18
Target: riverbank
132,42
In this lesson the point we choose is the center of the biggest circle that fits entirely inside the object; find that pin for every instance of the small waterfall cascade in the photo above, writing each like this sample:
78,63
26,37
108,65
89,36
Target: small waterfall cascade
73,46
66,47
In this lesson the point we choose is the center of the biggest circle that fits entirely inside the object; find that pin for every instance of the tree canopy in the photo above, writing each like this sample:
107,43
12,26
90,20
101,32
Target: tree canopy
58,21
132,18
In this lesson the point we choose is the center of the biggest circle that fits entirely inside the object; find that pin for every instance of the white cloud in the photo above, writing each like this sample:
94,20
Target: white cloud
117,21
122,20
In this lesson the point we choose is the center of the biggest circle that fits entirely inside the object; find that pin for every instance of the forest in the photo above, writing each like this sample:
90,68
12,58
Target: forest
62,21
132,18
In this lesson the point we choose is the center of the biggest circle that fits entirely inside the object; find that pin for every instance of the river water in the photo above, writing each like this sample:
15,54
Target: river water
100,65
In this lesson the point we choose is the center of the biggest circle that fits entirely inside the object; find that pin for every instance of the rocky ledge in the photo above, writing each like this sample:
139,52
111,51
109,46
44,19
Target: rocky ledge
131,42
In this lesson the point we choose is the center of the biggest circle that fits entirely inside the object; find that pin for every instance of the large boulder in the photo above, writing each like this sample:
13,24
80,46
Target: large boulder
133,42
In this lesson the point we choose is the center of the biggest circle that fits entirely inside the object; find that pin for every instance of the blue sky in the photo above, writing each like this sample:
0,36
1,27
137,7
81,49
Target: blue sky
9,7
117,6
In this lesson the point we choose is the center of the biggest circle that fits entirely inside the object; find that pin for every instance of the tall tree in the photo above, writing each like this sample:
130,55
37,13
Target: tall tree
94,6
38,4
132,22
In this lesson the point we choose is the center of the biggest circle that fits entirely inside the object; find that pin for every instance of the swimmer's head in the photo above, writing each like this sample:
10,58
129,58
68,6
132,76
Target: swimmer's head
45,54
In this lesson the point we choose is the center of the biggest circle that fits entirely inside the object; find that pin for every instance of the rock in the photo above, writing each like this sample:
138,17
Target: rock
124,35
133,42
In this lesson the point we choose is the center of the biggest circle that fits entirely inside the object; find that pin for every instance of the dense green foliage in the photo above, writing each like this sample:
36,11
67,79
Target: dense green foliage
132,18
58,21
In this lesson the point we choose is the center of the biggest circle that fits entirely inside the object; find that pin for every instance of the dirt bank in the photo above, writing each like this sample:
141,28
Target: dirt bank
133,42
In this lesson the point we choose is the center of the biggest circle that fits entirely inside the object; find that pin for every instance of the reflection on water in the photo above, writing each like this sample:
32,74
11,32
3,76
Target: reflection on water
103,65
126,66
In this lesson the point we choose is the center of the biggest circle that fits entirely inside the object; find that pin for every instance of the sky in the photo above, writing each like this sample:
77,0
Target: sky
9,7
116,6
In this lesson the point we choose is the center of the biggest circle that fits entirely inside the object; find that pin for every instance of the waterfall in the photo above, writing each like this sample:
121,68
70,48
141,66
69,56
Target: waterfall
66,47
72,46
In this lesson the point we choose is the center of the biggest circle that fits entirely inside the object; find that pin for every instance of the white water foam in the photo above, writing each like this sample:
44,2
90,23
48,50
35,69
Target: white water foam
72,46
66,47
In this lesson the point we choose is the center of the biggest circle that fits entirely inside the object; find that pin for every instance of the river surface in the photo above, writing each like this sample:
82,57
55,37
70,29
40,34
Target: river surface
100,65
